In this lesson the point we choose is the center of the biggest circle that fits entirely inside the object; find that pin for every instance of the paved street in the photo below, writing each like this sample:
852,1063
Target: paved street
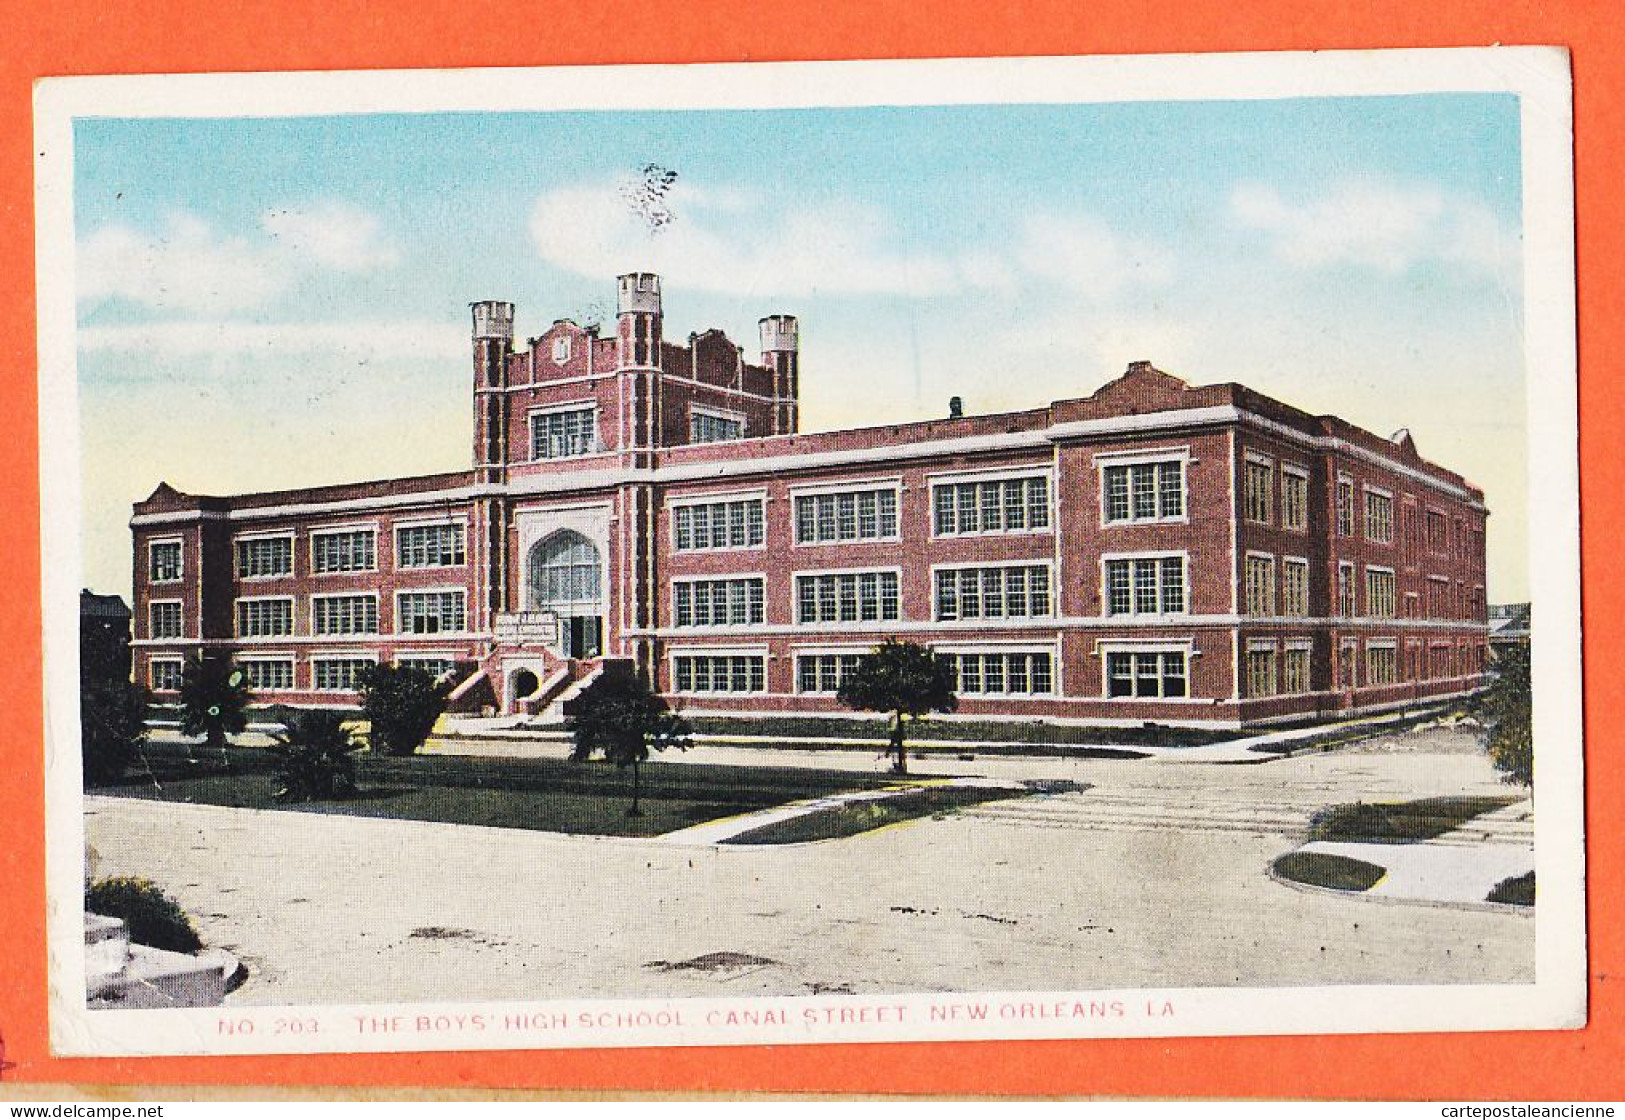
1155,876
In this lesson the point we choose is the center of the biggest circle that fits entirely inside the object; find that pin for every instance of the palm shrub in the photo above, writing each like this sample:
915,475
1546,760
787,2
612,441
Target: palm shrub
315,758
150,916
112,728
401,703
214,700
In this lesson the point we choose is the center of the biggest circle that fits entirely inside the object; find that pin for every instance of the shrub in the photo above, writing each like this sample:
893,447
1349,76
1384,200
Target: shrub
1506,711
314,758
112,726
622,716
402,703
1518,890
214,700
150,916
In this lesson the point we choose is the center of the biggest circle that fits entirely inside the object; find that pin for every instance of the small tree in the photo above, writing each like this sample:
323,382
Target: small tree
214,700
401,703
112,727
1508,719
904,679
314,758
621,716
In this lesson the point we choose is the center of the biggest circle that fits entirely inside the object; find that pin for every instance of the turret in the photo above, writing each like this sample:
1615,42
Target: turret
493,342
781,344
637,320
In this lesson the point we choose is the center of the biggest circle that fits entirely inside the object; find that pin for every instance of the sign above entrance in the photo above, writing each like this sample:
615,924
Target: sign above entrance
528,626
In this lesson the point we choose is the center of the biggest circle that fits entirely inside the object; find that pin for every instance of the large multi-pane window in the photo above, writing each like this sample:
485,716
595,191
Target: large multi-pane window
1379,593
824,672
1261,670
1345,507
854,515
436,667
707,427
429,612
263,674
847,597
1295,587
344,550
164,617
430,546
1002,673
1010,505
1007,591
1146,673
737,523
338,674
264,618
559,435
1294,499
165,675
1259,585
1379,517
1381,664
1345,591
1258,491
164,561
1145,585
719,602
344,614
261,557
1145,491
720,673
1295,669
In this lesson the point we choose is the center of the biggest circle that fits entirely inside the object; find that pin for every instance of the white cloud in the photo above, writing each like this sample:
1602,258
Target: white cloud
334,235
235,339
1384,226
186,266
1081,254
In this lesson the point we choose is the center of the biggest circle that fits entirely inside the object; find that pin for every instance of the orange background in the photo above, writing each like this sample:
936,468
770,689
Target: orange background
158,36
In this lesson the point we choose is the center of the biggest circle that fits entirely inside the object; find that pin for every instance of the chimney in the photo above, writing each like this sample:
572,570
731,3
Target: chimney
956,408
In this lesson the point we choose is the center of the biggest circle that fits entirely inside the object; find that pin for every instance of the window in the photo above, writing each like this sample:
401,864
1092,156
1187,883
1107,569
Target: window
1379,517
847,597
855,515
559,435
1348,657
436,667
165,617
1295,670
348,550
1438,592
1381,664
1413,528
719,602
264,618
1149,585
263,675
714,525
1260,585
1439,662
165,675
1012,591
1379,593
720,673
1438,531
1146,674
344,614
338,674
1345,506
1294,499
1145,491
263,557
1261,680
430,546
1295,588
1345,590
1011,505
429,612
164,562
561,349
705,427
1005,674
824,672
1258,491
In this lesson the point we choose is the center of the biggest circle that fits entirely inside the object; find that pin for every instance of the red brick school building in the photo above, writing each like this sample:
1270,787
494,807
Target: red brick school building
1194,555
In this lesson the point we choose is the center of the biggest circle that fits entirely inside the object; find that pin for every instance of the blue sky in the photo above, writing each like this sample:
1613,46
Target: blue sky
251,289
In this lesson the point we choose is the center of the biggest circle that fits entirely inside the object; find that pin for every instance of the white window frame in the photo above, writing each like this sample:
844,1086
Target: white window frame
337,531
1381,569
1301,562
369,656
1180,455
398,527
1300,473
1154,554
288,659
152,630
180,571
284,534
854,487
795,596
724,498
708,577
713,413
377,605
933,482
1259,459
584,405
1273,590
154,662
402,592
1105,647
798,652
293,617
761,652
983,649
1367,493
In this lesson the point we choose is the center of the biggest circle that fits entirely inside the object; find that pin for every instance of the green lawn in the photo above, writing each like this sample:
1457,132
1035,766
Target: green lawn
1321,869
544,794
1400,822
866,816
1517,891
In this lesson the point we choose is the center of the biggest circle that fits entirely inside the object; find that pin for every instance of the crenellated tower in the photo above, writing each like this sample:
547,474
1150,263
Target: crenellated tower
637,358
781,357
493,343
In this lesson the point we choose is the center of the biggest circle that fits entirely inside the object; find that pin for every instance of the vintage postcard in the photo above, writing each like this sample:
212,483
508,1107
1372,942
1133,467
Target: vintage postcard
820,552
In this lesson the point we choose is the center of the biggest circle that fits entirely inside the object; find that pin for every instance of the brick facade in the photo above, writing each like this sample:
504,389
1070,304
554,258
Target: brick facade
1153,552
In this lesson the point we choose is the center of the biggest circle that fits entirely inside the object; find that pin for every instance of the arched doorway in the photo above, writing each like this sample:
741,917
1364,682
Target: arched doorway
564,576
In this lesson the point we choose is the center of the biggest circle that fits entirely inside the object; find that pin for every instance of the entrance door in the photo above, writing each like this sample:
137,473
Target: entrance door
566,579
583,635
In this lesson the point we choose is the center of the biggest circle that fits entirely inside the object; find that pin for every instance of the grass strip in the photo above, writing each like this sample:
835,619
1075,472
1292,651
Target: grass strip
1320,869
1400,822
1517,891
855,817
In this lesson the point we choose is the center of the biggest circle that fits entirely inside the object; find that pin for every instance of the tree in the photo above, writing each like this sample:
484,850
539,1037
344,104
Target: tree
401,703
112,727
314,757
904,679
1505,709
214,700
621,716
